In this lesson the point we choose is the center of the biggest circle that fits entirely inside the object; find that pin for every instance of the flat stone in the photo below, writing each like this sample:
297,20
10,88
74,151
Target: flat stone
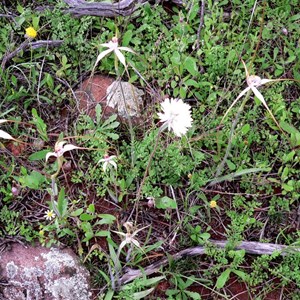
125,98
39,273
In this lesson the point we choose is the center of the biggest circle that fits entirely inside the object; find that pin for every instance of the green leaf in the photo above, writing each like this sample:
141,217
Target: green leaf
165,202
77,212
40,124
222,279
39,155
106,219
109,295
32,180
176,58
288,128
190,65
143,294
193,295
62,203
91,208
86,217
241,274
126,38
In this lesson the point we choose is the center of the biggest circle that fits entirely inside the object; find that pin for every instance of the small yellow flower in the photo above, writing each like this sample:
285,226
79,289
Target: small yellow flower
41,232
213,204
30,32
190,176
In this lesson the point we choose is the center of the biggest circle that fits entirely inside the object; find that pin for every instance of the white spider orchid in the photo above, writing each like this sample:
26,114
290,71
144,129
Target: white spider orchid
108,160
129,236
113,46
253,83
60,148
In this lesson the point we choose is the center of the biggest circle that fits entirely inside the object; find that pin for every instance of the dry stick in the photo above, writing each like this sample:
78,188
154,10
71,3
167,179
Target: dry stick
27,43
249,247
201,24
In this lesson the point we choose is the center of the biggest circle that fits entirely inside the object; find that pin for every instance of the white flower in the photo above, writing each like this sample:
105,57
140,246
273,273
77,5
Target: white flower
176,116
108,160
113,46
60,148
253,83
50,215
5,135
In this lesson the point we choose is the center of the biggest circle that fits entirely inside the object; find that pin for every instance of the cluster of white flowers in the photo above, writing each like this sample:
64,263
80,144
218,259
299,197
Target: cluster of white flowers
176,116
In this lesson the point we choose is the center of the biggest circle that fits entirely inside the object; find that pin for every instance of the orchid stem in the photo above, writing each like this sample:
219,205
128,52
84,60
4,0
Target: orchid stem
235,122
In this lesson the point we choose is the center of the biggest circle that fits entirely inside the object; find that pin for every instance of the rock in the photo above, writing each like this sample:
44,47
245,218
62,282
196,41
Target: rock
93,92
38,273
112,95
125,98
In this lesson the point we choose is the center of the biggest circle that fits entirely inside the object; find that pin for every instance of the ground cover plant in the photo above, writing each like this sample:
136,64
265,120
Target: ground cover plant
189,197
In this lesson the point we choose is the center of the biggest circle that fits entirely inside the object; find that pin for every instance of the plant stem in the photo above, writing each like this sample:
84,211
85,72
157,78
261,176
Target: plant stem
222,164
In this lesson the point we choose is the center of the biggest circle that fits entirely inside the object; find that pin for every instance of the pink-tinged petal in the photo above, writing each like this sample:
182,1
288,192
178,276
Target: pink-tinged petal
3,121
126,49
69,147
246,70
120,56
5,135
262,100
49,154
113,163
101,55
235,101
104,167
264,81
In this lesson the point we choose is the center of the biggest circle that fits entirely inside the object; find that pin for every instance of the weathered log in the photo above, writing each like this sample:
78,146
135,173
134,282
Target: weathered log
250,247
80,8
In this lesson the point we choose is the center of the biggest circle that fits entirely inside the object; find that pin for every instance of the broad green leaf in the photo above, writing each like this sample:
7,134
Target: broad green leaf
165,202
193,295
143,294
62,203
77,212
39,155
222,279
190,65
86,217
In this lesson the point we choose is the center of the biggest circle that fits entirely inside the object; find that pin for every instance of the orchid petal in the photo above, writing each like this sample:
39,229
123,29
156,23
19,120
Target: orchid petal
5,135
120,56
113,163
264,81
262,100
3,121
235,101
105,166
69,147
246,70
49,154
126,49
101,55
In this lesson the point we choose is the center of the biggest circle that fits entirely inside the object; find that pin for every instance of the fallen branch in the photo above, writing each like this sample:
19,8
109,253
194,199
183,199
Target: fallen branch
28,44
249,247
80,8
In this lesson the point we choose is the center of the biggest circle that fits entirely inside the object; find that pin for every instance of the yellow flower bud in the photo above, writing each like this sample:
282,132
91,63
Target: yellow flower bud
30,32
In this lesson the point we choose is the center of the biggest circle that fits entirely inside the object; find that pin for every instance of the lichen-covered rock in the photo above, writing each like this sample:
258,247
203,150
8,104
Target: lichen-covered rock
125,98
38,273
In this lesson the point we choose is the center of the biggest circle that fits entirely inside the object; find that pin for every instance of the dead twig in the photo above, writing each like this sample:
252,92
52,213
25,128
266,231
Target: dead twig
28,44
250,248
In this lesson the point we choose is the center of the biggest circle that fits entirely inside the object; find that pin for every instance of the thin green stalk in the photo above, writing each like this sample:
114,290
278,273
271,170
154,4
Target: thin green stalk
235,122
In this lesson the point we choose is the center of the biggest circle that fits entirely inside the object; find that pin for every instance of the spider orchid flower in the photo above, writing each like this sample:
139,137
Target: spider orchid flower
253,83
107,161
129,236
60,148
113,46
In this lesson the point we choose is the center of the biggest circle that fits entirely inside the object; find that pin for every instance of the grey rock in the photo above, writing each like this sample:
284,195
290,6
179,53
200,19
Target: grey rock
38,273
125,98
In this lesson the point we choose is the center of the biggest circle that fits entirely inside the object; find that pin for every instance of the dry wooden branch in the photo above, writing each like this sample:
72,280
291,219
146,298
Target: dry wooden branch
80,8
28,44
249,247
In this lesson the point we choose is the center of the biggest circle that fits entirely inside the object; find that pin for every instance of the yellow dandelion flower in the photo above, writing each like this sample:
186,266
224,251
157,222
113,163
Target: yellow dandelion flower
213,204
30,32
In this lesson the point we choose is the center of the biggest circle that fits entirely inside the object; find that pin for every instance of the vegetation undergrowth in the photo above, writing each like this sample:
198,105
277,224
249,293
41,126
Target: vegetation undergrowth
223,164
